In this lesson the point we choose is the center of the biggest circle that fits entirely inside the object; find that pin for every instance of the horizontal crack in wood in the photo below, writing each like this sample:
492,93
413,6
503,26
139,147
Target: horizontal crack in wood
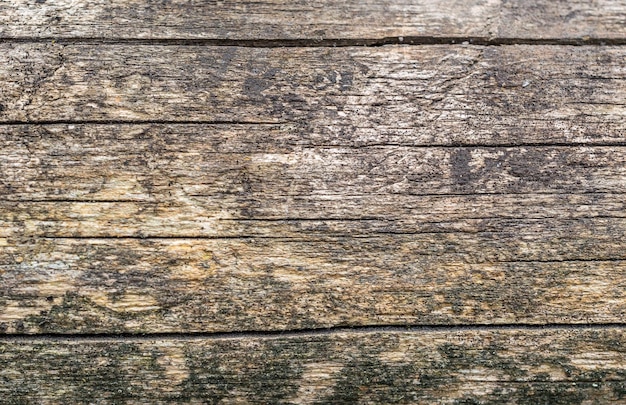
302,332
326,42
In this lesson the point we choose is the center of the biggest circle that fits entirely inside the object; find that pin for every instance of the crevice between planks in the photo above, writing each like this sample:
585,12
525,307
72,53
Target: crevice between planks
323,42
450,145
8,199
291,333
137,122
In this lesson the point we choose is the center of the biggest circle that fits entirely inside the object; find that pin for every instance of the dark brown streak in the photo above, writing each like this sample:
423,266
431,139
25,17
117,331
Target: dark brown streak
83,337
322,43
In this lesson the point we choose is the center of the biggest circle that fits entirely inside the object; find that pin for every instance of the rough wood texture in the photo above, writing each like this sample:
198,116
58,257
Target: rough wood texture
301,20
241,168
563,19
567,216
183,285
442,93
348,233
168,168
556,366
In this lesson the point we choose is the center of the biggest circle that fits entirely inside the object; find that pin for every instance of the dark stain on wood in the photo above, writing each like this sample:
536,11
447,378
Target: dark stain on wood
558,366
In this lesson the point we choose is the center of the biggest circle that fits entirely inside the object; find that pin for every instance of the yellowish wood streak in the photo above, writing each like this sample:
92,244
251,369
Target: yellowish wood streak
199,285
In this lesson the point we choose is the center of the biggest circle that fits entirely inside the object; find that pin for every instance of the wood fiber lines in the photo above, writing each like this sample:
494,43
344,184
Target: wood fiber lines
332,202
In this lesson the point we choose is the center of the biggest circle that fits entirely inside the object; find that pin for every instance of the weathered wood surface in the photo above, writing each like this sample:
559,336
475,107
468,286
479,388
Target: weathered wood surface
554,366
472,92
301,20
167,168
243,167
596,218
517,209
183,285
362,234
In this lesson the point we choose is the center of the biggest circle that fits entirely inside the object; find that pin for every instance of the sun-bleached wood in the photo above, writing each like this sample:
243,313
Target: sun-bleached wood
493,168
311,22
313,216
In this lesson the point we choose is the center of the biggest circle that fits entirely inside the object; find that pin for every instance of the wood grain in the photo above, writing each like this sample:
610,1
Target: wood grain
433,90
306,217
313,224
531,199
240,168
300,20
554,366
520,275
542,19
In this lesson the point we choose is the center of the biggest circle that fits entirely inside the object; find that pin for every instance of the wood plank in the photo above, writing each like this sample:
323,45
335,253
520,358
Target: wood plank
300,20
471,229
265,181
198,285
242,167
305,188
463,90
554,366
543,19
268,19
309,217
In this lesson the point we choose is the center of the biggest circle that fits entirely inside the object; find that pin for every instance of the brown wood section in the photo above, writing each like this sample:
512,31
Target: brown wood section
234,168
554,366
437,93
191,285
471,183
234,202
568,216
314,21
